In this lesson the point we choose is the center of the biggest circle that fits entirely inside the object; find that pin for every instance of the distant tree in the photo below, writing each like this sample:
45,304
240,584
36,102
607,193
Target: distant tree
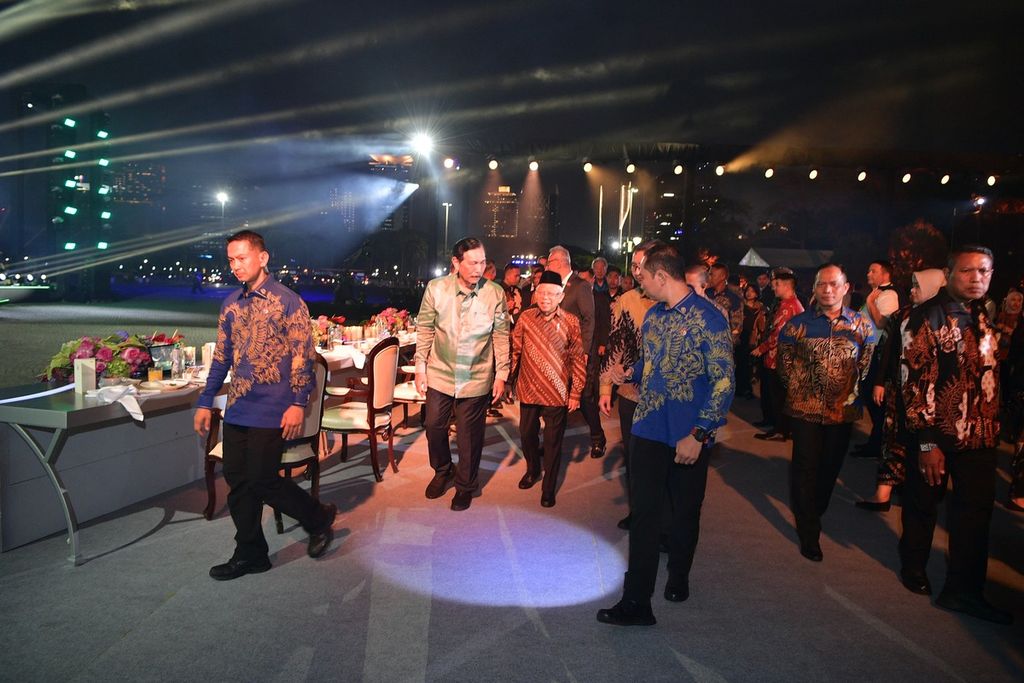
915,247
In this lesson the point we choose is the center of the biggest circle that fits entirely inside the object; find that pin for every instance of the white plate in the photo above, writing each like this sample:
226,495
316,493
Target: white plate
152,386
175,383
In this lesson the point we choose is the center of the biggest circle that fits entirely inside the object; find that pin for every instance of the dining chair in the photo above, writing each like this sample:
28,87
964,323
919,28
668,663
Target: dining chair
301,452
366,408
407,395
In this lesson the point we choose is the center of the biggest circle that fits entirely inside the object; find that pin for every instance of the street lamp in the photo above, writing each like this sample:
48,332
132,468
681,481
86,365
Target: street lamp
222,197
447,206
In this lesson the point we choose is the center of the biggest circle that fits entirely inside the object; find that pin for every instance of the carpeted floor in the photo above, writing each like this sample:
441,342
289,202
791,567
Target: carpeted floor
506,591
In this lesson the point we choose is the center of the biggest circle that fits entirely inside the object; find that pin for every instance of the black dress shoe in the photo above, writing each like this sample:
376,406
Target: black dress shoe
462,500
234,568
973,605
874,505
321,541
770,436
597,449
547,500
677,592
624,523
916,582
439,484
493,412
1010,505
812,551
627,613
529,480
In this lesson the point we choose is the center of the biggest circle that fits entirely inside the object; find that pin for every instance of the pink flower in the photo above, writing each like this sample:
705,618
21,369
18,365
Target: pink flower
131,355
104,354
82,352
100,366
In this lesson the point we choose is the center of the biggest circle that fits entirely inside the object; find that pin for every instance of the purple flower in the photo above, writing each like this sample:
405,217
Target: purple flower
122,334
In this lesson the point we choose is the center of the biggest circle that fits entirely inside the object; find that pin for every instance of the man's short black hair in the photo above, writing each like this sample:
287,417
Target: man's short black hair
664,257
254,239
968,249
648,245
614,269
830,264
464,245
885,265
718,265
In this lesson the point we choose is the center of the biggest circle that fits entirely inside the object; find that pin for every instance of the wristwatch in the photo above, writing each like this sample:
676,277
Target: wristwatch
926,447
700,434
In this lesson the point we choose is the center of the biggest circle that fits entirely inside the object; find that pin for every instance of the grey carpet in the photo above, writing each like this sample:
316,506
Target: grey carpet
505,591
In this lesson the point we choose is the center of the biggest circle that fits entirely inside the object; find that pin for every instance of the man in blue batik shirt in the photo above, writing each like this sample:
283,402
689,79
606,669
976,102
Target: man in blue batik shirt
686,387
264,338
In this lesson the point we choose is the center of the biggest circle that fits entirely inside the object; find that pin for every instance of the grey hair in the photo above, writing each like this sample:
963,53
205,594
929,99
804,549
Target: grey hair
559,249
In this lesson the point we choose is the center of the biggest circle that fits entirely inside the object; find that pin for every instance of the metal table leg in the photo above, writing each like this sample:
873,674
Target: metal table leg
49,462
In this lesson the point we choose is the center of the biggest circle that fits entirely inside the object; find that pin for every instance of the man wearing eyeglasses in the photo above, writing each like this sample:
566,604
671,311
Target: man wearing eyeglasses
951,394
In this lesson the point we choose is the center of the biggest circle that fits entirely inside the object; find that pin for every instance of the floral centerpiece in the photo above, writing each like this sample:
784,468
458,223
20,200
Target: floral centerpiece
391,319
119,355
323,328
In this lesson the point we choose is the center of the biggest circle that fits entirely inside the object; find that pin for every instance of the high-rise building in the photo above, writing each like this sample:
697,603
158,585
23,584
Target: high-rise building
501,215
139,183
343,209
665,217
394,167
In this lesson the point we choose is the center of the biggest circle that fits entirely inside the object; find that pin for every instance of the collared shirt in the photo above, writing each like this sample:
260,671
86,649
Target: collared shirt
821,363
265,338
731,304
686,369
887,302
462,337
548,358
785,309
951,374
624,342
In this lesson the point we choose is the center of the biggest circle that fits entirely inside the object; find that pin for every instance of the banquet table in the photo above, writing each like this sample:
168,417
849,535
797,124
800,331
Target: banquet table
74,444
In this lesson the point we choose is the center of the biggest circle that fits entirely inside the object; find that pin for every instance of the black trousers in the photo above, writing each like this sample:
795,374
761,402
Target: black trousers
656,481
470,420
626,410
588,400
767,411
968,514
818,452
554,429
744,370
777,391
252,464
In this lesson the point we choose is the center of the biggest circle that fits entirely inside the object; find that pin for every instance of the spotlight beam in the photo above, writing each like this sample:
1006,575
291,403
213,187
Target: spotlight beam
305,53
29,14
619,97
141,36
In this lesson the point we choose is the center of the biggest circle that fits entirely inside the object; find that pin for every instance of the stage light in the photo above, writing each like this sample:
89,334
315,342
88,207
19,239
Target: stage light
630,168
636,240
719,170
30,105
769,172
449,162
813,174
906,178
862,176
69,246
979,201
221,197
678,170
991,181
944,180
102,134
493,164
30,277
70,184
104,162
534,166
70,153
70,210
43,276
616,246
422,144
588,167
70,123
102,245
105,215
104,189
668,194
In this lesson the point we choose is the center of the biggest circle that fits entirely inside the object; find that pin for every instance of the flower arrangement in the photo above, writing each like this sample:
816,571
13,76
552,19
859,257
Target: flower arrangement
391,319
323,327
119,355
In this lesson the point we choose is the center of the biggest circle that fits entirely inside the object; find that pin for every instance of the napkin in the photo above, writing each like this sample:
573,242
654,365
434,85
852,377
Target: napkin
125,395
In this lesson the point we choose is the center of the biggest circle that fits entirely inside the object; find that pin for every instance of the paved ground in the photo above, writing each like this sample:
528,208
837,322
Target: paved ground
505,591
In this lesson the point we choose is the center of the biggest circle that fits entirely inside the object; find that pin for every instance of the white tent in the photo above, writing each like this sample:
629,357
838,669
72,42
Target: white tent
790,258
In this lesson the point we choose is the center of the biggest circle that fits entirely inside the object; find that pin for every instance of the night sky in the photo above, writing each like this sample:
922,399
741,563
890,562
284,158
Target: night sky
560,76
